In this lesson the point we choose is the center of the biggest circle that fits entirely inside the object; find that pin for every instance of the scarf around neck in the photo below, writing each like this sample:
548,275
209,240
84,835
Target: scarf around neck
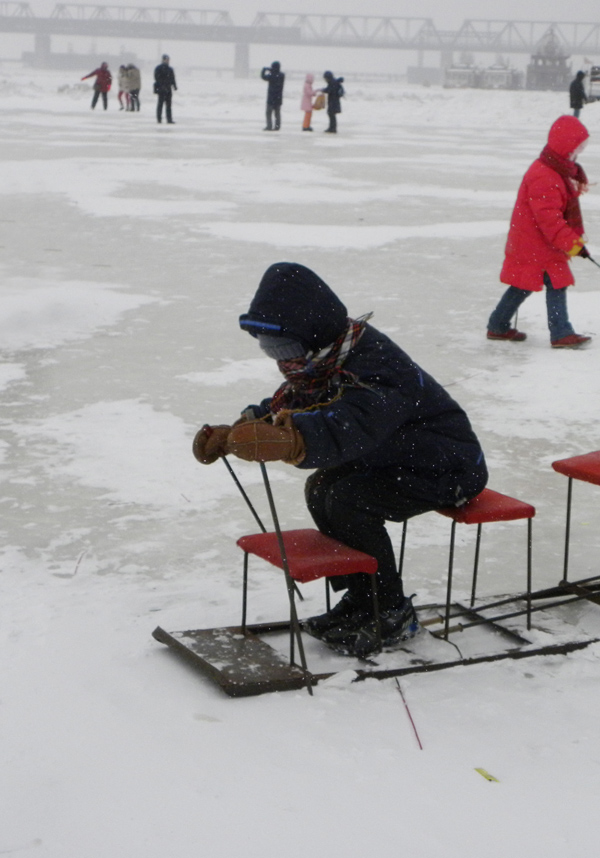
319,377
576,183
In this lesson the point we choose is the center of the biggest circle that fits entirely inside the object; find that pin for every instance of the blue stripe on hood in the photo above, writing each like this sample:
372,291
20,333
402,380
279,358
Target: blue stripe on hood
260,326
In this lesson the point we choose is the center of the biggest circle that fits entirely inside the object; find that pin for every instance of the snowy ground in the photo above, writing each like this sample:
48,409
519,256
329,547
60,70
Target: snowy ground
128,251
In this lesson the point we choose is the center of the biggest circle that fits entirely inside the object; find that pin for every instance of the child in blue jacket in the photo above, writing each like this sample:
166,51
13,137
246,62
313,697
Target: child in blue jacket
384,439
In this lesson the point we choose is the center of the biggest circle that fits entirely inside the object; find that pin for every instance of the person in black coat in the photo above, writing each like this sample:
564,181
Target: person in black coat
164,84
577,96
334,91
276,79
385,441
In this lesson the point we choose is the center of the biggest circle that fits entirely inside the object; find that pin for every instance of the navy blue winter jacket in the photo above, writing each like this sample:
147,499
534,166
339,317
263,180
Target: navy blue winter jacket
275,79
164,78
400,419
334,91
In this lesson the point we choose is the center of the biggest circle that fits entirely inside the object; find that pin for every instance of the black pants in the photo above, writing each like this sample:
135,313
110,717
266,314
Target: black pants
97,95
352,504
272,109
135,99
164,97
332,122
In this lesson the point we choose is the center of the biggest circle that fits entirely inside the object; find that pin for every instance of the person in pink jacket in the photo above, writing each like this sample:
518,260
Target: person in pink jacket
306,104
546,231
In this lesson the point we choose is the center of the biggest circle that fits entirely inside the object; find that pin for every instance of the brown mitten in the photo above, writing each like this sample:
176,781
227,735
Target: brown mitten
210,443
257,441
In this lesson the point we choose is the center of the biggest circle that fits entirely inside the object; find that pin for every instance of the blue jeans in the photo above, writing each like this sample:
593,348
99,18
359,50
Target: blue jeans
556,305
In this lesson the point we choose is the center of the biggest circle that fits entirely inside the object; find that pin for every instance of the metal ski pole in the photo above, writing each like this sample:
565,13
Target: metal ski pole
587,255
243,494
253,511
289,582
591,258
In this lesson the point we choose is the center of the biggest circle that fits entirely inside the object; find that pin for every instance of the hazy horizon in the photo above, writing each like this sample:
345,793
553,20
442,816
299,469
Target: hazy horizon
448,15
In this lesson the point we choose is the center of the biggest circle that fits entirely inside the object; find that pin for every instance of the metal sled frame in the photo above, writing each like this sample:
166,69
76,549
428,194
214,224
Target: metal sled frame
242,663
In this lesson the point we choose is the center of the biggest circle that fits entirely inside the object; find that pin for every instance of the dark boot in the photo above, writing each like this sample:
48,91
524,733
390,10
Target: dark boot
349,611
397,625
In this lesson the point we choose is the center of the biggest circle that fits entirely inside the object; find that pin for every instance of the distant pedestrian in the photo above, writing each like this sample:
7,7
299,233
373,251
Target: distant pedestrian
164,84
102,84
334,91
577,94
123,94
275,78
135,84
306,104
546,231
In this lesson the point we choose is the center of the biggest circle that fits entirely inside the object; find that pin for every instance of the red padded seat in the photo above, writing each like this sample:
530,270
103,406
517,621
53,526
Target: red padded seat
586,467
490,506
310,554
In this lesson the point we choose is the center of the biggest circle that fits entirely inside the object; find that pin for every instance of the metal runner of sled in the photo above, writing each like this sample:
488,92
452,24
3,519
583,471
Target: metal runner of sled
243,663
252,659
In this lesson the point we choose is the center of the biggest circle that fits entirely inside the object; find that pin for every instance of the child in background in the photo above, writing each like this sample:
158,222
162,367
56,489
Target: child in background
123,95
307,101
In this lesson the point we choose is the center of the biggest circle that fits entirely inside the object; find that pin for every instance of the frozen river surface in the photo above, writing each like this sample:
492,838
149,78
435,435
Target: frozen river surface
128,250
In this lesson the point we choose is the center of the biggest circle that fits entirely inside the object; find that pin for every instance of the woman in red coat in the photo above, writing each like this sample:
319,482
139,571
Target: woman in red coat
102,84
546,230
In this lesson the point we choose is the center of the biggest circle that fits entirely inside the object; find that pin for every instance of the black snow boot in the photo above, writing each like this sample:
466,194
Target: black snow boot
349,612
397,625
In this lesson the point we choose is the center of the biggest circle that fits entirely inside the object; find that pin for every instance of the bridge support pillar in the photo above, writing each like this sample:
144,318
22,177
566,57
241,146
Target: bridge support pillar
241,67
446,59
42,49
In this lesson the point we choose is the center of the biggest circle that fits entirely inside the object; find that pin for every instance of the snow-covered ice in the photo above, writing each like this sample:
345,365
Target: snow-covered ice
127,252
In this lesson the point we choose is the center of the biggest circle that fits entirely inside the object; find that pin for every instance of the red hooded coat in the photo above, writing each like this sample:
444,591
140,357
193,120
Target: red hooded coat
539,237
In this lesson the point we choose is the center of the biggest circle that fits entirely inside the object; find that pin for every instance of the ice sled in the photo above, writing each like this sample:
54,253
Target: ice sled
249,659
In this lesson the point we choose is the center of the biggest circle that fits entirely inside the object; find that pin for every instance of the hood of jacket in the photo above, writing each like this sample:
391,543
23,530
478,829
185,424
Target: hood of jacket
566,135
292,301
309,78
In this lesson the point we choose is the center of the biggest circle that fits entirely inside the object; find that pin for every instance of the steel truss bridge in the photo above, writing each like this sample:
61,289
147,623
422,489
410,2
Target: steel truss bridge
421,34
352,31
138,22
